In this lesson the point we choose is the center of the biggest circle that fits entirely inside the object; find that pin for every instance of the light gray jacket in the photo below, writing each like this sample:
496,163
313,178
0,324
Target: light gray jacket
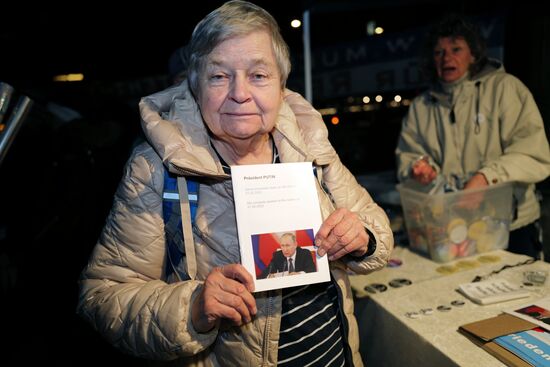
497,130
123,294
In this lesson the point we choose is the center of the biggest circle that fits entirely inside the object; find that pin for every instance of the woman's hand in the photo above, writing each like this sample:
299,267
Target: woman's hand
472,200
423,172
477,181
226,294
340,234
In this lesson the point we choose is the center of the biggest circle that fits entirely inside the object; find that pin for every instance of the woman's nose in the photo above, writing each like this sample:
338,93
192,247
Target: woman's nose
240,91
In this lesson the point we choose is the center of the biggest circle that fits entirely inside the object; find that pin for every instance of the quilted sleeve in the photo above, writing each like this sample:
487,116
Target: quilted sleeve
121,291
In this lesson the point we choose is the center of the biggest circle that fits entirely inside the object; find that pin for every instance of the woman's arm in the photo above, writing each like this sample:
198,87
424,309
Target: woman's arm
122,293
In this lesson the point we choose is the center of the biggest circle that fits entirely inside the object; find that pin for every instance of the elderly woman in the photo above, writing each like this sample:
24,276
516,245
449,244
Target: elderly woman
477,123
233,110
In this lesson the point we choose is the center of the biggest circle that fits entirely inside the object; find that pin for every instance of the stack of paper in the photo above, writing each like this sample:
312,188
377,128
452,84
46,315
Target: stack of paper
492,291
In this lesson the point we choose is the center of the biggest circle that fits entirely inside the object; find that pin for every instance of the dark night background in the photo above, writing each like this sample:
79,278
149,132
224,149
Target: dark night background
59,176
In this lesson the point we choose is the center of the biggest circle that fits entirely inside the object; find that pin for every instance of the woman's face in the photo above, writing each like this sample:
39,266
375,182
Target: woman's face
452,58
240,89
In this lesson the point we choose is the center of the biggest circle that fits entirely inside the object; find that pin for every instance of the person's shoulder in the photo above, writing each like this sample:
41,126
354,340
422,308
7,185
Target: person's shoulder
425,97
276,255
144,151
495,73
297,111
301,122
506,82
144,164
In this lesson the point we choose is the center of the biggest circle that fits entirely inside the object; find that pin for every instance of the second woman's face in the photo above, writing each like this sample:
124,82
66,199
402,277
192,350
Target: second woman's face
240,89
452,58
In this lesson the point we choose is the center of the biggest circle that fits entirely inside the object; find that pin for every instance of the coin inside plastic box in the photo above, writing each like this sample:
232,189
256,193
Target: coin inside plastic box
537,277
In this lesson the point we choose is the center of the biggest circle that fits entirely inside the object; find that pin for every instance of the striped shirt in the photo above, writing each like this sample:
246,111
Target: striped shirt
311,333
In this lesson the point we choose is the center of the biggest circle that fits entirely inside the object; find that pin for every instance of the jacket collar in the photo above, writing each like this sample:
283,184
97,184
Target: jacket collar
173,125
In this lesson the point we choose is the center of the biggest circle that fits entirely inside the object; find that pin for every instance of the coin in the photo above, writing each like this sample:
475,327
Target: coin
476,229
400,282
488,259
446,269
467,264
457,230
458,234
375,288
427,311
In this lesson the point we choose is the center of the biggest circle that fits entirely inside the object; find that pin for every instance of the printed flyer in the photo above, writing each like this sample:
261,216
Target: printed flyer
278,215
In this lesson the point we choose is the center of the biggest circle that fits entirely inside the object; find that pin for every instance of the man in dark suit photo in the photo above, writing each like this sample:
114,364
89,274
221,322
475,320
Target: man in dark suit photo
290,260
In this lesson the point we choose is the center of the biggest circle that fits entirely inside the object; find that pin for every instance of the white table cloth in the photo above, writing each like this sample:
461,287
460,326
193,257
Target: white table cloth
391,337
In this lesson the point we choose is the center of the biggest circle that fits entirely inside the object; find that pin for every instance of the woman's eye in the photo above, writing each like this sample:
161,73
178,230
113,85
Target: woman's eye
259,76
217,77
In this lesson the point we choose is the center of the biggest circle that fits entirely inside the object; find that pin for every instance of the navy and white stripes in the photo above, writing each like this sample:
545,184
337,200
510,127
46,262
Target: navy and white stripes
311,334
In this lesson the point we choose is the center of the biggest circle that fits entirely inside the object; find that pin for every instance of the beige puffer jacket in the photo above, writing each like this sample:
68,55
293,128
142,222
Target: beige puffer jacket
497,130
122,292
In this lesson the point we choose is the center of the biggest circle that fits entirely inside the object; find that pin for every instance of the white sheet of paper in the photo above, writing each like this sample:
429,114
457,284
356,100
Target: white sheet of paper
274,199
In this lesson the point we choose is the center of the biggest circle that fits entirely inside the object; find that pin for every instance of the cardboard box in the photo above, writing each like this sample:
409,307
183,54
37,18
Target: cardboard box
483,332
447,226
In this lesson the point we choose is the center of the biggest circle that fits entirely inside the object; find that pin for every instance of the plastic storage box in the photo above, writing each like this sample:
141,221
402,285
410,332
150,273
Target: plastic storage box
452,225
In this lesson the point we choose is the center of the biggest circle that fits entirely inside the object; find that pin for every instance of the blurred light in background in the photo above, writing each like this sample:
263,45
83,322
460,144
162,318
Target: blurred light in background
68,78
296,23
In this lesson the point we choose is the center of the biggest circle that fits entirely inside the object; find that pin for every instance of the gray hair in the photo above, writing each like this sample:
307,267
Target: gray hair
234,18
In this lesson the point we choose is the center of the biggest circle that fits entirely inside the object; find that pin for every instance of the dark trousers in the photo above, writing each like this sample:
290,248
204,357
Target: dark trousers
526,240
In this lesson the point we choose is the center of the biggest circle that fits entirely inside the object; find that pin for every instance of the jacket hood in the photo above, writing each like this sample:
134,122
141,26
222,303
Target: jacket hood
173,125
492,66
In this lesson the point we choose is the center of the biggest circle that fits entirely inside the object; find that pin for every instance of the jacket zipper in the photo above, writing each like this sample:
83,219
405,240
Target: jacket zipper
267,333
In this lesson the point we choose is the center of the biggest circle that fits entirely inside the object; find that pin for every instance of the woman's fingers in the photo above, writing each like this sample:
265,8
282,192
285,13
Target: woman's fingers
423,172
239,273
341,233
226,294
